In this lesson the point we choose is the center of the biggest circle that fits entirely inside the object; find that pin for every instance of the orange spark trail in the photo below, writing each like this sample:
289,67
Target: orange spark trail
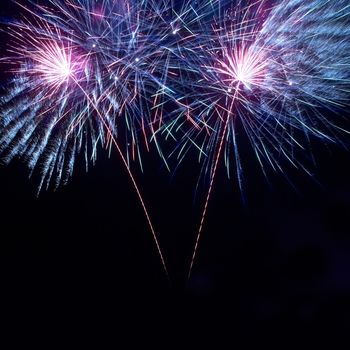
204,213
207,199
131,176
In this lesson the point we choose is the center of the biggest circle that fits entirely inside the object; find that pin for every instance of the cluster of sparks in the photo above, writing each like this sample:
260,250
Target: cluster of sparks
128,74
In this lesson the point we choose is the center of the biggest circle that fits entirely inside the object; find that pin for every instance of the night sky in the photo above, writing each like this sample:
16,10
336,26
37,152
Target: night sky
280,261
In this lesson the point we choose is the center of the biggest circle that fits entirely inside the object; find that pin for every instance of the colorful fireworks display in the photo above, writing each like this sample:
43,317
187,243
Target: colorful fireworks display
178,77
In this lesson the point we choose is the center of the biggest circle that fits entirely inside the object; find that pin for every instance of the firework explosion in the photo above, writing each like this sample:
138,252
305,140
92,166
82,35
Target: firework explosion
245,71
269,70
121,73
86,72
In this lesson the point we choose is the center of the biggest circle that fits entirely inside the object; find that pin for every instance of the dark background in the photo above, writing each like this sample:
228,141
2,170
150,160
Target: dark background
280,262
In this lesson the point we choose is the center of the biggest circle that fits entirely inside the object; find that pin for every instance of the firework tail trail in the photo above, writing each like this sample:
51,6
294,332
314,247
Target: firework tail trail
132,178
138,192
238,70
212,178
207,199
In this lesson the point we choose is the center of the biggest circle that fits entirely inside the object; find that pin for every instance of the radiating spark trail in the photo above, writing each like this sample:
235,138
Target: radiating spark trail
132,178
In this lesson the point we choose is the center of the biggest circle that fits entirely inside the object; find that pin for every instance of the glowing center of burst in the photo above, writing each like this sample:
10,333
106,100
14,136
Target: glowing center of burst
244,70
64,69
244,74
243,67
59,69
54,63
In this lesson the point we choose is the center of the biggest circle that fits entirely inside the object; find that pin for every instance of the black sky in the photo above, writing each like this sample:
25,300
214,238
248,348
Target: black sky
280,260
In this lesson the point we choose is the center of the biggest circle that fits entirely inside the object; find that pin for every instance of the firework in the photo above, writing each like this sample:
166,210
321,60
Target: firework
269,69
118,74
86,73
74,62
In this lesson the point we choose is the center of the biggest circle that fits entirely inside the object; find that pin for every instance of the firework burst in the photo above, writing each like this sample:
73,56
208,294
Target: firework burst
269,69
86,73
80,61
